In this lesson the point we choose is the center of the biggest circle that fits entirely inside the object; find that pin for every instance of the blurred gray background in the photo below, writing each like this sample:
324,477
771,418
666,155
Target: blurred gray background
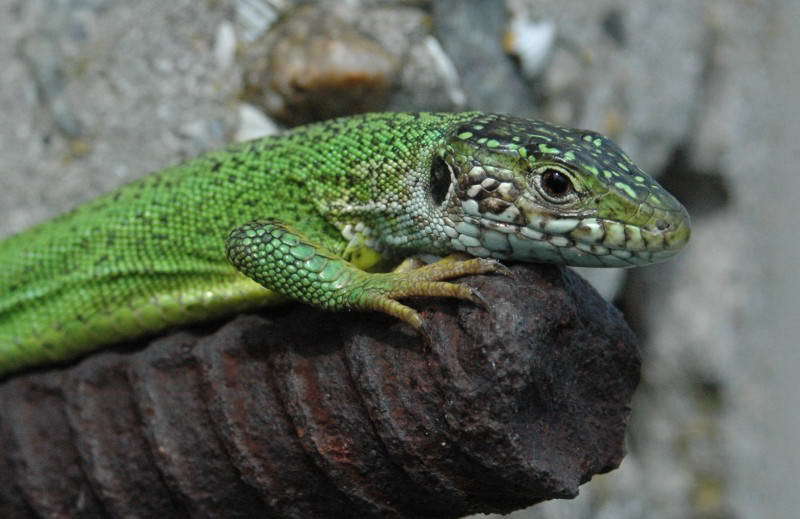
702,94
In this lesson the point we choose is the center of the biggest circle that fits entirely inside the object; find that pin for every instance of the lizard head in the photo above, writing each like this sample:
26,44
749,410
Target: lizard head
527,190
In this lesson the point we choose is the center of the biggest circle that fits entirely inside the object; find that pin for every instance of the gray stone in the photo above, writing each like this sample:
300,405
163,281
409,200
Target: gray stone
471,34
139,79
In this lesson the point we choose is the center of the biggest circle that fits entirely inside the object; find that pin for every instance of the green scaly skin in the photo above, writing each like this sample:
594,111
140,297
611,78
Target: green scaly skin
303,213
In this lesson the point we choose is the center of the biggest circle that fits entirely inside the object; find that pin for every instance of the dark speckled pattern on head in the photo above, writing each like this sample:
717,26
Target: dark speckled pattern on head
536,140
615,214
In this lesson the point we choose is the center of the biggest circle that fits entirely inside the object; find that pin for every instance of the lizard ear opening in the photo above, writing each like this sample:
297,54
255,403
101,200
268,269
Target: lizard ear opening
440,180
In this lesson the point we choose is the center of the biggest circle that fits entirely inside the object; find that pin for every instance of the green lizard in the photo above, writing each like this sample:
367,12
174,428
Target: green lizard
305,213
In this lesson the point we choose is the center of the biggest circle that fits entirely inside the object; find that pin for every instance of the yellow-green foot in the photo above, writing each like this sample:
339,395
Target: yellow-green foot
282,260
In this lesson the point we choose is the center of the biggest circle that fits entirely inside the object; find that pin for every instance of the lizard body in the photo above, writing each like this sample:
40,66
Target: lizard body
301,214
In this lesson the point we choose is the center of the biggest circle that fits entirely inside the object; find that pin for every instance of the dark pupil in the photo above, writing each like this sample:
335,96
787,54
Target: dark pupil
555,183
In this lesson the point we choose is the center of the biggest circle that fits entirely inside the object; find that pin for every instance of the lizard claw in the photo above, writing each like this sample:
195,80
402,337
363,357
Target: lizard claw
499,268
478,299
427,337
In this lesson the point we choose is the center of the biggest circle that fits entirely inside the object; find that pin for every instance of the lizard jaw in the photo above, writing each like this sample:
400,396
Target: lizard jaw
587,241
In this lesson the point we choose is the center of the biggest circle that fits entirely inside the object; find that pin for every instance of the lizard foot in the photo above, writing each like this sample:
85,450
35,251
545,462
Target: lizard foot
282,260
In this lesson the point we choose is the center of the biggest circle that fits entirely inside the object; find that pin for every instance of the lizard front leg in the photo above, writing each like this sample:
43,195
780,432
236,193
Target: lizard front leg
284,261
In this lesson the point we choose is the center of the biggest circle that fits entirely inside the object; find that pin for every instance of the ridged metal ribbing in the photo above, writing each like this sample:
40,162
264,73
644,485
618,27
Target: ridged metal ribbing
302,413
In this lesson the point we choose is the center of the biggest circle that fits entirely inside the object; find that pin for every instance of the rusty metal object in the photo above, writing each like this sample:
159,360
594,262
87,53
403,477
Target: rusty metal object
301,413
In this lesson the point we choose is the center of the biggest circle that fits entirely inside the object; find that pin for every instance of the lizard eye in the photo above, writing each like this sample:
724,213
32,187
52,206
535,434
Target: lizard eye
440,180
555,185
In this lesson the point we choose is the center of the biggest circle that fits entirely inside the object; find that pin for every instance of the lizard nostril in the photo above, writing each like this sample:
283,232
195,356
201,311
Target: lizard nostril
662,225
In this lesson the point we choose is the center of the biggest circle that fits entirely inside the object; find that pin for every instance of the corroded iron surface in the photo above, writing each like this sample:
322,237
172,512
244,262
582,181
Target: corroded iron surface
301,413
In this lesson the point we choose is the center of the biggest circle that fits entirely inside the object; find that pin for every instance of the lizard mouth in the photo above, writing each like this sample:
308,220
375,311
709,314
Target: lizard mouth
496,215
580,242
